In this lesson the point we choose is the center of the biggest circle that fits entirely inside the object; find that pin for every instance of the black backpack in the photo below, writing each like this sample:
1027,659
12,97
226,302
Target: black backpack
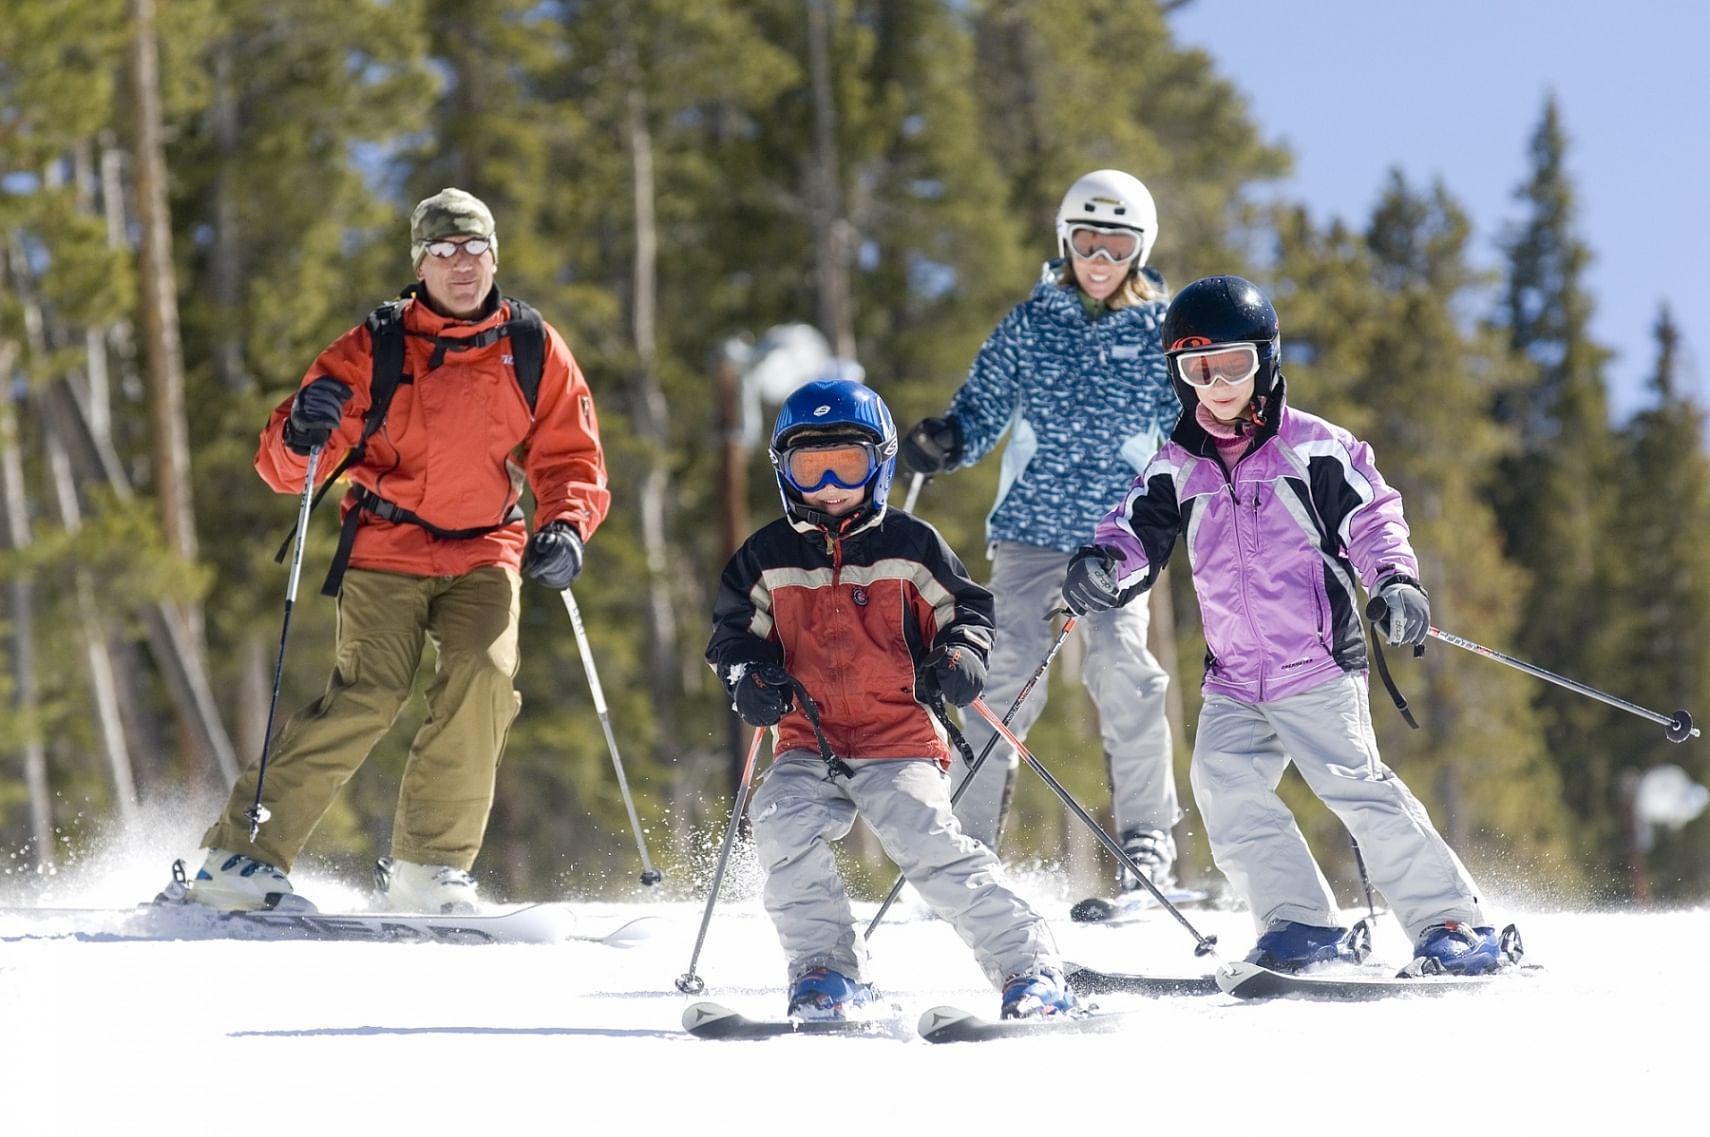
527,332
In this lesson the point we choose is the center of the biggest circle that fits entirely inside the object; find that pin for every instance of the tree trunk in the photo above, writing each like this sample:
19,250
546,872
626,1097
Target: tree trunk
650,414
825,195
21,591
159,302
187,682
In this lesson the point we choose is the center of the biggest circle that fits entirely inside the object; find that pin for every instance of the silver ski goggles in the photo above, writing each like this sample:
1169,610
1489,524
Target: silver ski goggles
445,250
1231,363
1117,246
847,464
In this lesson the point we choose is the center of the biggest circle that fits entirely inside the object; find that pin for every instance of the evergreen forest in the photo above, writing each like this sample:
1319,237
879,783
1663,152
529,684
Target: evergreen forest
197,196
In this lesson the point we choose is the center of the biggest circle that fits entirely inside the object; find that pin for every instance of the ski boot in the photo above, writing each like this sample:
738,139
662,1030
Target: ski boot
439,890
234,882
1040,993
1289,947
1155,852
1454,948
823,995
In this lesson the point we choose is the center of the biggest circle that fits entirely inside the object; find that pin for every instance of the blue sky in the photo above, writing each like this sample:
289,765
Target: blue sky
1454,89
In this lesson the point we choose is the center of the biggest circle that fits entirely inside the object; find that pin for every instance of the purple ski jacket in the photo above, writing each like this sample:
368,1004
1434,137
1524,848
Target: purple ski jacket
1273,545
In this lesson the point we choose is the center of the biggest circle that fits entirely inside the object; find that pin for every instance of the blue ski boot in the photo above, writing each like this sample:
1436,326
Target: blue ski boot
823,995
1036,994
1460,949
1289,946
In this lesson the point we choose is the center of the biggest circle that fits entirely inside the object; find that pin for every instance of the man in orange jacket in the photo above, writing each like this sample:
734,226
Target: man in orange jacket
434,540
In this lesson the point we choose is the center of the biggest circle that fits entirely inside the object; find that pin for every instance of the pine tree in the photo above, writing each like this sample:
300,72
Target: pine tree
1555,491
1663,615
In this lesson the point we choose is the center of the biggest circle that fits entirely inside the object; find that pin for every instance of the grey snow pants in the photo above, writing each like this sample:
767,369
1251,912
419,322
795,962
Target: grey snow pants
1239,758
1126,682
797,813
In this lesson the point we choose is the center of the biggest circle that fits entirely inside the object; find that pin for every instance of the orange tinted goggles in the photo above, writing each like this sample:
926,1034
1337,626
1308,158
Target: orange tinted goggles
1233,364
845,464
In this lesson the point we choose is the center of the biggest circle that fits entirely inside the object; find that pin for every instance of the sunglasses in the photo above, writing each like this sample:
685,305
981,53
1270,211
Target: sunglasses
1118,246
445,250
1233,364
847,465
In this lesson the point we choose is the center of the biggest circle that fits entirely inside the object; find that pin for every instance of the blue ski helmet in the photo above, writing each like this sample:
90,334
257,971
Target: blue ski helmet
829,408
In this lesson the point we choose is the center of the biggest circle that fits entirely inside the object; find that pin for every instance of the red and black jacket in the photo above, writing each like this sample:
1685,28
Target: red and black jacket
851,616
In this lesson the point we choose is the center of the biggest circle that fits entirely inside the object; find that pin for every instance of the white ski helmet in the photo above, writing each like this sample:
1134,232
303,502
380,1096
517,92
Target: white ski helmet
1109,199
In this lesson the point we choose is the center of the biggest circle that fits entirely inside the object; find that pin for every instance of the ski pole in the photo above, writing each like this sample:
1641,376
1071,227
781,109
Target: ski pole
1206,945
1365,877
649,875
914,485
1679,726
689,983
974,766
257,813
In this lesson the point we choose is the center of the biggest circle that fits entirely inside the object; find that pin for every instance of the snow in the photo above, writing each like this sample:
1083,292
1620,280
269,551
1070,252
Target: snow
105,1036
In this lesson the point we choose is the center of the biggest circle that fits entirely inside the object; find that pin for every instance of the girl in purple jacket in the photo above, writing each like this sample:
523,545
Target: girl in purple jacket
1280,511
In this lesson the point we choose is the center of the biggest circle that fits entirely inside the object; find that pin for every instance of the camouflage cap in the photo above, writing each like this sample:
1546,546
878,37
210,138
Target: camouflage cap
450,213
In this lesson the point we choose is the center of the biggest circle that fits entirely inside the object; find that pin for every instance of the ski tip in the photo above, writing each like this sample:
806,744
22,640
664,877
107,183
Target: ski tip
1232,974
1092,910
698,1016
938,1018
637,931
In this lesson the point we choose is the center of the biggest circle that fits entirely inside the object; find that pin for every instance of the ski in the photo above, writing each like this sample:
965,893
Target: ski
715,1020
1132,906
953,1024
1250,981
1086,981
529,924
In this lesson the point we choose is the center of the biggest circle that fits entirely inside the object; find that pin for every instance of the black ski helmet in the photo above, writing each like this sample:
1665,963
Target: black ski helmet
1217,310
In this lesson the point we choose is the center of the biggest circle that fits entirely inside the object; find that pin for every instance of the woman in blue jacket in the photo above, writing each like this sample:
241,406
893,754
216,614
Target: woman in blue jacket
1076,376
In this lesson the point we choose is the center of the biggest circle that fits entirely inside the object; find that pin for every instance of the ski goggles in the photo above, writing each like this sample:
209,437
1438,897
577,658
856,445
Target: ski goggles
445,250
1231,363
812,466
1118,246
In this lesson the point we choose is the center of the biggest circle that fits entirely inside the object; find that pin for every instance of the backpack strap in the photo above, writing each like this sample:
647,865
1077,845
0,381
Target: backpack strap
528,348
386,329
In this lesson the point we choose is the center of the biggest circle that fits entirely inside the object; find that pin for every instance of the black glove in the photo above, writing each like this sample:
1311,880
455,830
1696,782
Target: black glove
1409,615
315,414
554,555
933,447
956,672
763,694
1089,585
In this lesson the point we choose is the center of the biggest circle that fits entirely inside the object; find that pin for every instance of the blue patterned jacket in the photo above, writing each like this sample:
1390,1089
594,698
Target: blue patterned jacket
1086,404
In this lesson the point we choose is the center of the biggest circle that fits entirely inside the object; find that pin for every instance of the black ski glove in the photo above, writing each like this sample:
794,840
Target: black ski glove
1409,615
315,414
762,694
1089,585
554,556
933,447
954,671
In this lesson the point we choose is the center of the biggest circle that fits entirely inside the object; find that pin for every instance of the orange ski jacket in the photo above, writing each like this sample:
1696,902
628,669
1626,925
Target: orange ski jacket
458,441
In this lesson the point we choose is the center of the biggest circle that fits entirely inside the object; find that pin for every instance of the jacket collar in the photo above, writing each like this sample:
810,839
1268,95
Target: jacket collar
422,317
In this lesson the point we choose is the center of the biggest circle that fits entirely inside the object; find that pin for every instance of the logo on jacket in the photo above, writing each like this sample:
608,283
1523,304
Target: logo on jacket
859,596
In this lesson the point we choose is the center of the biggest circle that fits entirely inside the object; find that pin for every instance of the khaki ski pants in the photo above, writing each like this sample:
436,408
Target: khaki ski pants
384,621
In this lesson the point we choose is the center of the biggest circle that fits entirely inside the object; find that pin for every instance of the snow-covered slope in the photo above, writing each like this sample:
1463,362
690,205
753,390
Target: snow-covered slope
126,1037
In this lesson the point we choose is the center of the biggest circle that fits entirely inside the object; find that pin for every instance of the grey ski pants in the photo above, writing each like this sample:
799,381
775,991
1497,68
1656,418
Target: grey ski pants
1126,683
1239,758
797,813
